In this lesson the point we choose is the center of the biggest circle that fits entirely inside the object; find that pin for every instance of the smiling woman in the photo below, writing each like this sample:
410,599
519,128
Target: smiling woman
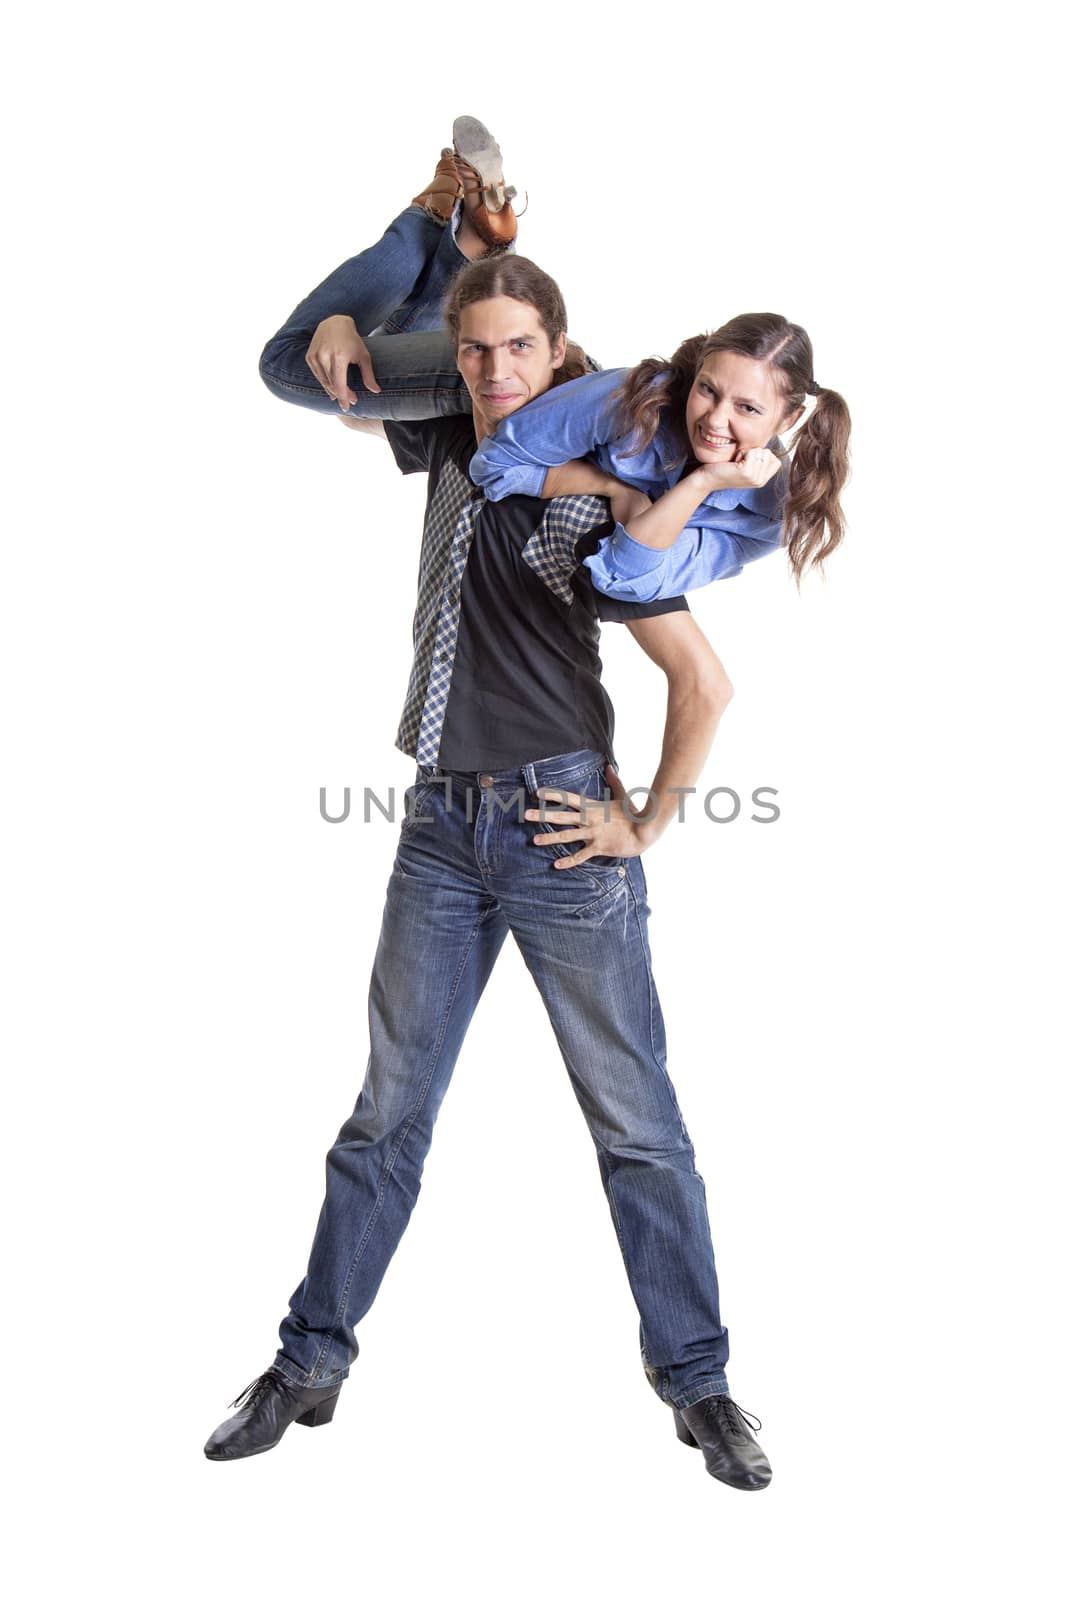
687,451
721,416
697,440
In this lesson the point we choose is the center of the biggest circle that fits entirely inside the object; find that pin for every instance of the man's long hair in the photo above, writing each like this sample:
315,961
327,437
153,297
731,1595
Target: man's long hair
516,278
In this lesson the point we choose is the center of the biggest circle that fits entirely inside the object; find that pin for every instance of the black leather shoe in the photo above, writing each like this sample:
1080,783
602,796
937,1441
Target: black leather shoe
269,1404
731,1452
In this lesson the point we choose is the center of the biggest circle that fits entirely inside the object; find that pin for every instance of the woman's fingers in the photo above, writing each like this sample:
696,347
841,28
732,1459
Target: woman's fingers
322,363
330,364
759,465
315,364
367,371
340,390
336,346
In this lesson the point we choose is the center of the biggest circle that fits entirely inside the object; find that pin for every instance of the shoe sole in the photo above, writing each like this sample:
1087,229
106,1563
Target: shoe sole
245,1457
477,147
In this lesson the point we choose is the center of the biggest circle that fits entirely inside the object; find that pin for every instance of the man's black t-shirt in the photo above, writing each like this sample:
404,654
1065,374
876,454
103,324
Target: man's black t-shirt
526,677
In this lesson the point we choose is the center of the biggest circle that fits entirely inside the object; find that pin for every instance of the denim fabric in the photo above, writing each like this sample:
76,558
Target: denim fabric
464,874
394,292
396,289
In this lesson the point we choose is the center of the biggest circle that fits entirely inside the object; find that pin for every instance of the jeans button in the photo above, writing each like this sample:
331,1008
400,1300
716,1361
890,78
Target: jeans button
621,872
486,781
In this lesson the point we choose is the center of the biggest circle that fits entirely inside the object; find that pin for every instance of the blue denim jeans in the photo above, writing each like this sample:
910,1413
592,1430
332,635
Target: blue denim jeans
394,292
465,873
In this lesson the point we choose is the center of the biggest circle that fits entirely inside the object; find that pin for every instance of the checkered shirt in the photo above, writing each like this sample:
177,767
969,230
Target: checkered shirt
449,529
551,550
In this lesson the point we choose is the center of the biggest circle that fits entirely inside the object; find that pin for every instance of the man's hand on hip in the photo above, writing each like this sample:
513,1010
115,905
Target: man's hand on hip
606,827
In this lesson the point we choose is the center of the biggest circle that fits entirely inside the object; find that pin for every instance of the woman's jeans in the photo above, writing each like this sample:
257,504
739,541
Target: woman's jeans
394,292
465,873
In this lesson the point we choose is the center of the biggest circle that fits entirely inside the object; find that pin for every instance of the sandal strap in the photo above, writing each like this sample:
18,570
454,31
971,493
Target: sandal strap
500,196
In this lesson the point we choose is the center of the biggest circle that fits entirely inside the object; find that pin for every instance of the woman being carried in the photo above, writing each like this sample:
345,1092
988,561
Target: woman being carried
695,441
688,451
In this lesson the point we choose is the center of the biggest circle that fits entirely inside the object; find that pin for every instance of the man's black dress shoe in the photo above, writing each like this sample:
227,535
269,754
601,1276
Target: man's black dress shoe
716,1427
269,1404
731,1452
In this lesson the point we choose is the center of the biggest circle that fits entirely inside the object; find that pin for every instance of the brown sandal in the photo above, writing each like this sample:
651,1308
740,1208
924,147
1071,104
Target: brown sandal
488,201
445,189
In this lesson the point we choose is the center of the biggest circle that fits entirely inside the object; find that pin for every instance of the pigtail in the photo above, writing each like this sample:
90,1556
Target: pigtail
814,524
654,387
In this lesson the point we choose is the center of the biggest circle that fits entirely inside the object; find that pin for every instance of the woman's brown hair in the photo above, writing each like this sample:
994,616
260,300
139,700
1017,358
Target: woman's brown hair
516,278
655,393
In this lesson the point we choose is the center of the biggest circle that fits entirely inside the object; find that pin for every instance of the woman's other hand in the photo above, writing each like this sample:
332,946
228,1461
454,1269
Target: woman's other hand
335,347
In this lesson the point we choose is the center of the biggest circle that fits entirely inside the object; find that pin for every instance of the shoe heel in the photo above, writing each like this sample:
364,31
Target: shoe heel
320,1414
683,1432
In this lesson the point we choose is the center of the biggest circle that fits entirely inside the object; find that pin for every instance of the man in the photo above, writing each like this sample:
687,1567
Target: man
516,822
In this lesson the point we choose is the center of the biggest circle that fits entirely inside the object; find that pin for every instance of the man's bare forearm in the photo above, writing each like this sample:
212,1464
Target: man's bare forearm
698,692
693,716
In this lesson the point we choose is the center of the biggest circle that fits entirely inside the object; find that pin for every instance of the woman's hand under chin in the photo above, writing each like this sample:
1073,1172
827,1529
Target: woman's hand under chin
749,470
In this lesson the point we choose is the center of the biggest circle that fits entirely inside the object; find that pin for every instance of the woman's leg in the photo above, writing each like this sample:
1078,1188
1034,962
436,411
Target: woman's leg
395,288
416,374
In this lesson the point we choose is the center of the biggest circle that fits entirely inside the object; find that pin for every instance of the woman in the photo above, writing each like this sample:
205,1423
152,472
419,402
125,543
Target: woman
687,450
695,439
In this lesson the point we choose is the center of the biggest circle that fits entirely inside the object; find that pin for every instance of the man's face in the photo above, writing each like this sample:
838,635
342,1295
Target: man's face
505,358
734,405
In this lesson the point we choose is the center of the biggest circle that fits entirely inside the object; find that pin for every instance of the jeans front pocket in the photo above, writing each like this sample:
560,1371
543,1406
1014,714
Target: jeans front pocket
594,786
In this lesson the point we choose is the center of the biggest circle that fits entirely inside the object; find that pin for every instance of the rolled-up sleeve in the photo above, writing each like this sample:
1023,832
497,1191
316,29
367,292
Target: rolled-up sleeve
627,570
563,425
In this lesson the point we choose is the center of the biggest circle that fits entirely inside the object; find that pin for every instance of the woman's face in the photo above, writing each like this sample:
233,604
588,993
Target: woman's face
734,405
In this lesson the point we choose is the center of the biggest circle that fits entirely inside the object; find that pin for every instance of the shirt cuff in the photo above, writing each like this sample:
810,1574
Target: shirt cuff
499,481
627,556
624,569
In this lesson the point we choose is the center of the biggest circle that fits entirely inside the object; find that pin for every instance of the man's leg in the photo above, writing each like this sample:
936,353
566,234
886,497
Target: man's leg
583,934
441,934
396,287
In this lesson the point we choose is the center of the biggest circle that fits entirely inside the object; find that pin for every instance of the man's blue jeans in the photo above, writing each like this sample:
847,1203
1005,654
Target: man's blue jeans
466,871
394,292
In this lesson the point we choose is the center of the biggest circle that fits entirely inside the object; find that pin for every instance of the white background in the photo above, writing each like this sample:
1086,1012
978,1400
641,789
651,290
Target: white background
870,1003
